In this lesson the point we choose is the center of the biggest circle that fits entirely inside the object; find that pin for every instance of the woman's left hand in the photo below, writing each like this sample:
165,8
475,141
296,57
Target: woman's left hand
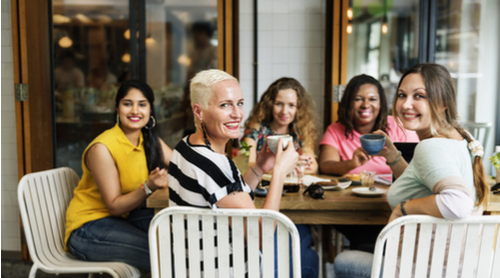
158,178
389,149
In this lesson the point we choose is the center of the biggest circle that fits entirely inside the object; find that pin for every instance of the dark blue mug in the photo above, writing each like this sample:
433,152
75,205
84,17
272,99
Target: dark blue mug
372,143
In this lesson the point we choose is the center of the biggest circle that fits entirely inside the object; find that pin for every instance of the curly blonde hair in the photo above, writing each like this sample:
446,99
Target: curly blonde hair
305,118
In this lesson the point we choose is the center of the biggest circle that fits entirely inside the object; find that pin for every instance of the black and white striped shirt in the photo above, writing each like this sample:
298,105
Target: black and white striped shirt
200,177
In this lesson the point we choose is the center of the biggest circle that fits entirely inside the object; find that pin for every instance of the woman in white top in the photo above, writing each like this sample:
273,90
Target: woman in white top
440,180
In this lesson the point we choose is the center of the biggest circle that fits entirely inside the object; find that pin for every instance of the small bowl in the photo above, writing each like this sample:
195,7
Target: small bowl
272,141
372,143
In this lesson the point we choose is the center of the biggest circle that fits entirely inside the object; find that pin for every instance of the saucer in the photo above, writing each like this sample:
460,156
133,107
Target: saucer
339,186
365,192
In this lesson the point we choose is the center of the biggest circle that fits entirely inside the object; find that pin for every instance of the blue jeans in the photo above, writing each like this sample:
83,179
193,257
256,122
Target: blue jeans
353,264
308,256
114,239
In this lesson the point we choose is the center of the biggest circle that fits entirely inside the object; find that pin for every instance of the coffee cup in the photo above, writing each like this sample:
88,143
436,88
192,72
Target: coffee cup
372,143
272,141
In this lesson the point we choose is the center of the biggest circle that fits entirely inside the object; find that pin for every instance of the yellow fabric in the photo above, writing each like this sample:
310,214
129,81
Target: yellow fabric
87,203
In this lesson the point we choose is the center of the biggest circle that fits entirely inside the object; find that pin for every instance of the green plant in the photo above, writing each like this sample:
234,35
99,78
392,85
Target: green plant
246,148
495,160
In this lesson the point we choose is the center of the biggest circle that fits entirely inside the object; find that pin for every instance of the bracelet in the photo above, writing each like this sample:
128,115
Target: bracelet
402,206
146,188
395,160
255,172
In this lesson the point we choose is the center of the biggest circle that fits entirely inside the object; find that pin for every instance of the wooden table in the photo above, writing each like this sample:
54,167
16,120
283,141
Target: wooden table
338,207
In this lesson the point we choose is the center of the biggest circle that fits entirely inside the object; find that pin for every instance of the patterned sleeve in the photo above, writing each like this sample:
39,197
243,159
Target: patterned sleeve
251,133
256,135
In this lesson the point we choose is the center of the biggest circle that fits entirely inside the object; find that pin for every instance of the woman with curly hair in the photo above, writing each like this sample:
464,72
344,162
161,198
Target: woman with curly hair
285,108
363,109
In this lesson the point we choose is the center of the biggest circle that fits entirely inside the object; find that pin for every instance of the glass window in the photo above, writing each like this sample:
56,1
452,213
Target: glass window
181,41
382,41
467,45
92,56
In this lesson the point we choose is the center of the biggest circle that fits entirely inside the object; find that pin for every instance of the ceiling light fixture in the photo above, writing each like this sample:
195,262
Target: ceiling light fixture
65,42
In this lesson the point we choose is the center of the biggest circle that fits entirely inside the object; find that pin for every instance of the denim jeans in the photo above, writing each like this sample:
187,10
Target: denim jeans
114,239
353,264
308,256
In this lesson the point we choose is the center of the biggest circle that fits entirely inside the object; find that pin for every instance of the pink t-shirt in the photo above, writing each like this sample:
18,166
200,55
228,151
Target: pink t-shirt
335,137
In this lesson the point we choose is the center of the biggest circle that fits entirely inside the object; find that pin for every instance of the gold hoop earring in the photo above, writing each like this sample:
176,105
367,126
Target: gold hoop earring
154,124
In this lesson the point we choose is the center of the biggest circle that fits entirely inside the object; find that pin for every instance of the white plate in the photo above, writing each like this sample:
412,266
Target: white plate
308,180
365,191
339,186
266,177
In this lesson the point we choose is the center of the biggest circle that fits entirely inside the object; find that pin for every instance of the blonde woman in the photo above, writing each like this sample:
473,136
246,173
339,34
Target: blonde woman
285,108
201,175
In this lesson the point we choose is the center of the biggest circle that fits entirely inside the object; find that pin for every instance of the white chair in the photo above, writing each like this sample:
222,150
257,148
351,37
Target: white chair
480,131
474,244
43,199
188,233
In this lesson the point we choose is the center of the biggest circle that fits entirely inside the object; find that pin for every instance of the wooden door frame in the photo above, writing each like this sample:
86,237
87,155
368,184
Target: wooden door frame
32,66
228,49
336,53
31,53
227,26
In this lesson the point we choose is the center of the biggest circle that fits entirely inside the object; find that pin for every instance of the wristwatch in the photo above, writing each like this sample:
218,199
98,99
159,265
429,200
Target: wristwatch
402,206
146,188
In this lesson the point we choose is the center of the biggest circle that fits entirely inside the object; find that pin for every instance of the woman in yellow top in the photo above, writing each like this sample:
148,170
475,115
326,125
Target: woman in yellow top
121,167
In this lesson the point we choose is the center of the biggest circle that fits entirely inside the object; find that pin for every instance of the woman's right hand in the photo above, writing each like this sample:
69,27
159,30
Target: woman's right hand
360,157
158,178
265,159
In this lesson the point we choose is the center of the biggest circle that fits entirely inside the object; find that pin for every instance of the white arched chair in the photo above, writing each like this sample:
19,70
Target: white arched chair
480,131
43,199
417,244
180,238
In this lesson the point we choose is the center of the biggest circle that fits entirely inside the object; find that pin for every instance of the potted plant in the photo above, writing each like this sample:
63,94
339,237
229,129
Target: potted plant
495,160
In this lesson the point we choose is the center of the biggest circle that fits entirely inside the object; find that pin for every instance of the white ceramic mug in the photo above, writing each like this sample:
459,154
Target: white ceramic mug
272,141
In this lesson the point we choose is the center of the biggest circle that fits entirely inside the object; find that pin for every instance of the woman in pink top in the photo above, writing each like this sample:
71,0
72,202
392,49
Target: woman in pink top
363,109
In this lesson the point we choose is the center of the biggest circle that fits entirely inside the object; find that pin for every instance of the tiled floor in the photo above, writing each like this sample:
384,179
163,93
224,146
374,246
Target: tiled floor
15,268
20,269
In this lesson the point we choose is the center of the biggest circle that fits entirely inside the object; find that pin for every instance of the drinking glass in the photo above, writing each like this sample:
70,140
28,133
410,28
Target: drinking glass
367,178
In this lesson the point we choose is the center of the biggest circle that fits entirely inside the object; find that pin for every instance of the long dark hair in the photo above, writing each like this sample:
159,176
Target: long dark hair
441,93
152,146
346,105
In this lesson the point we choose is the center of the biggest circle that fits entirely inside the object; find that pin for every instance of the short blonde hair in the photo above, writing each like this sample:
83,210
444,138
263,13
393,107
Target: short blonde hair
201,85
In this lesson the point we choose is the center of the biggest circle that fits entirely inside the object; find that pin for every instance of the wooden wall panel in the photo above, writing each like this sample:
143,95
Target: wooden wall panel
339,49
34,119
16,52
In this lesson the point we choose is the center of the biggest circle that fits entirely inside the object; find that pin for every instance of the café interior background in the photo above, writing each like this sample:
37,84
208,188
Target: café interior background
291,42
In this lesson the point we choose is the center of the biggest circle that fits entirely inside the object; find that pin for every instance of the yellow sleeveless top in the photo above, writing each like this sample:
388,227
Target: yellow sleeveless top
87,203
